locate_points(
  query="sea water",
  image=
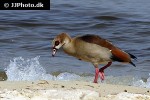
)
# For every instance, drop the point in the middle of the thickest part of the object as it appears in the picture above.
(26, 40)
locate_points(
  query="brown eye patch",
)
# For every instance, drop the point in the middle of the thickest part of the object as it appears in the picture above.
(56, 43)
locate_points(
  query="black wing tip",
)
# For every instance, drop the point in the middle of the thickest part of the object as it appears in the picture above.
(132, 64)
(115, 58)
(132, 56)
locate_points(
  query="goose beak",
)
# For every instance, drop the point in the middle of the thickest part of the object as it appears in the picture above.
(54, 51)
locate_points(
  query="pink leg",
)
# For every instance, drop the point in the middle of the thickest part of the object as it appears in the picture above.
(101, 71)
(96, 75)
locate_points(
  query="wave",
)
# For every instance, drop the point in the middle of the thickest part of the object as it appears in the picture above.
(21, 69)
(106, 17)
(29, 69)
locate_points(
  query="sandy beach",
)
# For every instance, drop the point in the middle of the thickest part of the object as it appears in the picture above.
(69, 90)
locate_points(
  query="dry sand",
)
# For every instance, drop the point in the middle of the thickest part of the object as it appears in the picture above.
(69, 90)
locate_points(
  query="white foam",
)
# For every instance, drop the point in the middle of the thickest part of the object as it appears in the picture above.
(74, 94)
(128, 96)
(29, 69)
(141, 83)
(67, 76)
(53, 94)
(128, 80)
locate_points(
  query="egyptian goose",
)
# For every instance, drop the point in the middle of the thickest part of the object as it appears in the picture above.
(92, 48)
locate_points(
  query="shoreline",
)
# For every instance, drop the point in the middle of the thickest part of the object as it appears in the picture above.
(80, 90)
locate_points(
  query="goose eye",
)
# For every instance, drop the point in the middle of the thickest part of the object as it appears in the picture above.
(56, 43)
